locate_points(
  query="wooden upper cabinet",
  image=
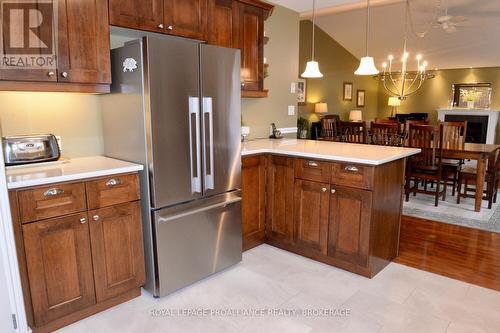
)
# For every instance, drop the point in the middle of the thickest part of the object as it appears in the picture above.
(83, 42)
(311, 206)
(279, 213)
(137, 14)
(253, 206)
(251, 43)
(117, 250)
(186, 18)
(349, 227)
(223, 23)
(59, 263)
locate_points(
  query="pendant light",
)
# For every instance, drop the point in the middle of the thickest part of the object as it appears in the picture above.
(312, 67)
(367, 65)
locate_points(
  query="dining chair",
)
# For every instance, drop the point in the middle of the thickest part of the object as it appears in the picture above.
(426, 166)
(329, 131)
(407, 126)
(469, 175)
(386, 121)
(454, 134)
(385, 134)
(353, 132)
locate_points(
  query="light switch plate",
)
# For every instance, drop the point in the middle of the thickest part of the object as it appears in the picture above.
(293, 88)
(291, 110)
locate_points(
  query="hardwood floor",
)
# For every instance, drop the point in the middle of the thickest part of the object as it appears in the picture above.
(465, 254)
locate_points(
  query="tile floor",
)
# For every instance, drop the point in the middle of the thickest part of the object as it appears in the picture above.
(399, 299)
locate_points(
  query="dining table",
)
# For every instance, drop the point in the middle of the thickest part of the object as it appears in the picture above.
(474, 151)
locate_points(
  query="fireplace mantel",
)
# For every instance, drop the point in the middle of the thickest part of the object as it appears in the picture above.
(492, 115)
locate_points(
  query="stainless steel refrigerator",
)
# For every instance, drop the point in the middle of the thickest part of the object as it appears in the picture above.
(175, 108)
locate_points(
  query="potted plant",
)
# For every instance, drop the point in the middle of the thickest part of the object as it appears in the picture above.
(302, 128)
(470, 96)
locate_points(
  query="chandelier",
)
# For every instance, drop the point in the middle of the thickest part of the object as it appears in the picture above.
(404, 83)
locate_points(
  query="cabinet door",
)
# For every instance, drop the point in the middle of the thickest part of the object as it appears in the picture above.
(253, 189)
(223, 23)
(312, 201)
(83, 42)
(349, 229)
(59, 264)
(279, 213)
(137, 14)
(117, 249)
(186, 18)
(252, 47)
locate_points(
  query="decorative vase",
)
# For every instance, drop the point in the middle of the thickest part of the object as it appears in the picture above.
(470, 104)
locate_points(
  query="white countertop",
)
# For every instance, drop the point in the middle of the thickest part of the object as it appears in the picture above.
(68, 170)
(326, 150)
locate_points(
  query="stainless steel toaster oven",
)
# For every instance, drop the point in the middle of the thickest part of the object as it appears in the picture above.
(30, 149)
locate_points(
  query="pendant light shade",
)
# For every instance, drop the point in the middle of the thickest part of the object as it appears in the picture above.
(367, 65)
(312, 68)
(312, 71)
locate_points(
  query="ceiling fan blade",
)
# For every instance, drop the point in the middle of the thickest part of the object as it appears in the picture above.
(451, 29)
(458, 19)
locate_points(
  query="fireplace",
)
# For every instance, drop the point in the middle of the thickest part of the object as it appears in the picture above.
(477, 127)
(481, 124)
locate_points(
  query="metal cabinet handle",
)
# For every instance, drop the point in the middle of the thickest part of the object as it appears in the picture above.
(170, 27)
(52, 192)
(161, 26)
(333, 191)
(83, 220)
(113, 182)
(64, 74)
(312, 164)
(351, 168)
(324, 189)
(95, 217)
(194, 143)
(51, 74)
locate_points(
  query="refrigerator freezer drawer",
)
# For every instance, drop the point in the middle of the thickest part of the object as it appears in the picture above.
(198, 240)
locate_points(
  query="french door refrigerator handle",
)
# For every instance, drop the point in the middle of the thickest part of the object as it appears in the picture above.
(208, 110)
(199, 210)
(194, 109)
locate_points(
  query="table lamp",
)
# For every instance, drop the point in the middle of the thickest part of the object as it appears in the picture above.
(394, 102)
(321, 108)
(356, 115)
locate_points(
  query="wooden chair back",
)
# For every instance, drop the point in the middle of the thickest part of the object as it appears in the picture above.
(386, 121)
(385, 134)
(454, 134)
(329, 129)
(429, 139)
(353, 132)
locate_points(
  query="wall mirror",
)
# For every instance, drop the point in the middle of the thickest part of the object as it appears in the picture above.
(477, 95)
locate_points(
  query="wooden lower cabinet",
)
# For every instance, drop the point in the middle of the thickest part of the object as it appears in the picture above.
(117, 251)
(59, 263)
(349, 228)
(83, 261)
(311, 208)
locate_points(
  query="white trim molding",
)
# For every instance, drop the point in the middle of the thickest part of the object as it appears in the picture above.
(492, 115)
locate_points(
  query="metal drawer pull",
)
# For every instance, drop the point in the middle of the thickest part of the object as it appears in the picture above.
(95, 217)
(113, 182)
(323, 189)
(333, 191)
(312, 164)
(83, 220)
(52, 192)
(351, 168)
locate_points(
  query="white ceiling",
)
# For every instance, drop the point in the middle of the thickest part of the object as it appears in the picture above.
(477, 45)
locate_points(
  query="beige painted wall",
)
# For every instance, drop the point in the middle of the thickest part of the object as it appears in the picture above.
(436, 93)
(282, 54)
(337, 66)
(75, 117)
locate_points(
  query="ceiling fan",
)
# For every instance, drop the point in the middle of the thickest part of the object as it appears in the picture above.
(449, 23)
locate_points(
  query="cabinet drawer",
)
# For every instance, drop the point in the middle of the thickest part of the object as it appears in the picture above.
(313, 170)
(112, 190)
(51, 201)
(352, 175)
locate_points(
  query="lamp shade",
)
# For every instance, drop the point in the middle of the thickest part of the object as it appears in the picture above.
(321, 108)
(394, 101)
(367, 67)
(312, 71)
(356, 115)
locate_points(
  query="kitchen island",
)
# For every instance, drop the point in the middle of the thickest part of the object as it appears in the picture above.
(338, 203)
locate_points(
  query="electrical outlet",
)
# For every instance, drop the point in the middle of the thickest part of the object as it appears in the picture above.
(291, 110)
(293, 88)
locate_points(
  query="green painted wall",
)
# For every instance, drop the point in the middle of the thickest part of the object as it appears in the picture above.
(282, 54)
(338, 66)
(437, 93)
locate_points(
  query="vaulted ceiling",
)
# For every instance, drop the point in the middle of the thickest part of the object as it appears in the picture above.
(476, 43)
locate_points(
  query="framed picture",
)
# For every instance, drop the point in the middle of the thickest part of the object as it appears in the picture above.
(347, 91)
(360, 98)
(301, 91)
